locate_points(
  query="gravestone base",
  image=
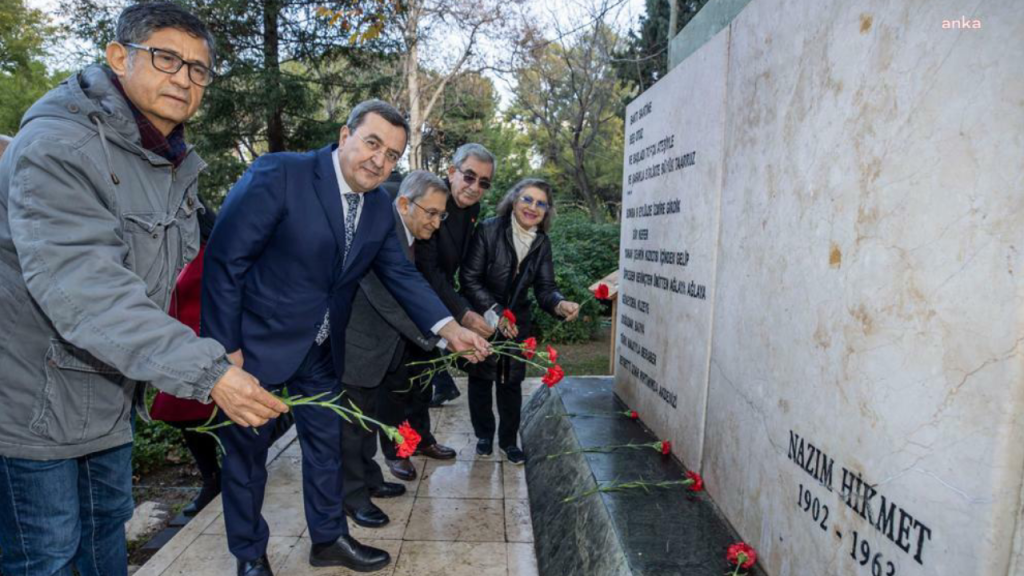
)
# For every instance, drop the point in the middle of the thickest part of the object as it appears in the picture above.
(669, 531)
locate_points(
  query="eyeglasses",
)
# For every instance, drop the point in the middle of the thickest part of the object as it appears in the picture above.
(432, 214)
(469, 178)
(169, 63)
(530, 201)
(376, 147)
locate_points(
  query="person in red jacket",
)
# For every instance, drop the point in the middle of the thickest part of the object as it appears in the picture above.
(182, 413)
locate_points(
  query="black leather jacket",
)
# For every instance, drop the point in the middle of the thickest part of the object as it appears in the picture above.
(488, 277)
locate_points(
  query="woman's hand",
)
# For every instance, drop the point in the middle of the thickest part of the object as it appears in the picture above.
(508, 329)
(568, 310)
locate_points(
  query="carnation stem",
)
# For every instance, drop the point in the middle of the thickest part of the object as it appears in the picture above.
(295, 401)
(623, 486)
(655, 445)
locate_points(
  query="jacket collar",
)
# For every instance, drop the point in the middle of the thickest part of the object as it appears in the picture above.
(327, 192)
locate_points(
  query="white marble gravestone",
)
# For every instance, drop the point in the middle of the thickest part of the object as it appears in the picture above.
(847, 369)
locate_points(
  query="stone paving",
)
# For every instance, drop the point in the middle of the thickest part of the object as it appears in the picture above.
(464, 517)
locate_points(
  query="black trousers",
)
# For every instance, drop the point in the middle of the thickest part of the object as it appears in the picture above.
(203, 448)
(358, 447)
(510, 403)
(396, 403)
(444, 384)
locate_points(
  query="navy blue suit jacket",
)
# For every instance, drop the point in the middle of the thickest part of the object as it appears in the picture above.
(274, 264)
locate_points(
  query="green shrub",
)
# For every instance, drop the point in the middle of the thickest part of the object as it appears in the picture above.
(156, 444)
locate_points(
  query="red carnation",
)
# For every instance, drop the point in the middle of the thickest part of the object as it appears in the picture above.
(698, 482)
(633, 415)
(742, 555)
(410, 440)
(552, 354)
(508, 315)
(554, 375)
(666, 447)
(530, 347)
(601, 292)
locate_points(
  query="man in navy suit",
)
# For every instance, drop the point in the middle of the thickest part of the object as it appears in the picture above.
(292, 241)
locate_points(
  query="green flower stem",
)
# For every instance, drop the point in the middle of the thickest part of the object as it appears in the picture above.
(740, 559)
(347, 413)
(624, 486)
(627, 414)
(655, 445)
(507, 348)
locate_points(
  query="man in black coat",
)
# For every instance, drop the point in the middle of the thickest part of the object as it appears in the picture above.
(438, 259)
(377, 340)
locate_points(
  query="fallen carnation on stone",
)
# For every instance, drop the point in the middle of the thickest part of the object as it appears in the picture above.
(698, 482)
(601, 292)
(666, 447)
(633, 415)
(408, 441)
(742, 555)
(554, 376)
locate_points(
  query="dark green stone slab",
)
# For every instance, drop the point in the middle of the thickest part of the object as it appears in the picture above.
(670, 531)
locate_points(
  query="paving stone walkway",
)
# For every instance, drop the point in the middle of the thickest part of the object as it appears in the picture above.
(464, 517)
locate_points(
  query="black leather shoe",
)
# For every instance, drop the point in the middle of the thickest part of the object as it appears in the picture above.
(484, 446)
(258, 567)
(388, 490)
(441, 396)
(348, 552)
(435, 451)
(402, 469)
(514, 454)
(368, 516)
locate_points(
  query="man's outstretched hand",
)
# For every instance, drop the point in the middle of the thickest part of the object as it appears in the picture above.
(243, 400)
(460, 339)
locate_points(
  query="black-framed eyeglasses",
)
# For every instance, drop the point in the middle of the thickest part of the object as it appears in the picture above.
(376, 146)
(531, 201)
(169, 63)
(469, 177)
(432, 213)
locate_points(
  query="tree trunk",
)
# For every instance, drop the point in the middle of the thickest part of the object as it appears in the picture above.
(271, 67)
(673, 18)
(589, 197)
(412, 75)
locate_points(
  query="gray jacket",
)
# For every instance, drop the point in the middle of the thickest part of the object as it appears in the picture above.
(93, 232)
(379, 329)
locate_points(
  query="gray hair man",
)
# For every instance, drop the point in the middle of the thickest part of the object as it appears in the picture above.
(469, 177)
(99, 198)
(381, 340)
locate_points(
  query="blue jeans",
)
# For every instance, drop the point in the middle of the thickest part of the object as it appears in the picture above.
(59, 514)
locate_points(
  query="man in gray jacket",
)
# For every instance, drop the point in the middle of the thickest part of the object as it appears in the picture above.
(97, 217)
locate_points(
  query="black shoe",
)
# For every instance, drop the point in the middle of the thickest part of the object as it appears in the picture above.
(435, 451)
(484, 446)
(348, 552)
(441, 396)
(368, 516)
(402, 469)
(388, 490)
(514, 454)
(258, 567)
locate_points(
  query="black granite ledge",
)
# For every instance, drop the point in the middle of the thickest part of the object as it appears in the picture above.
(667, 532)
